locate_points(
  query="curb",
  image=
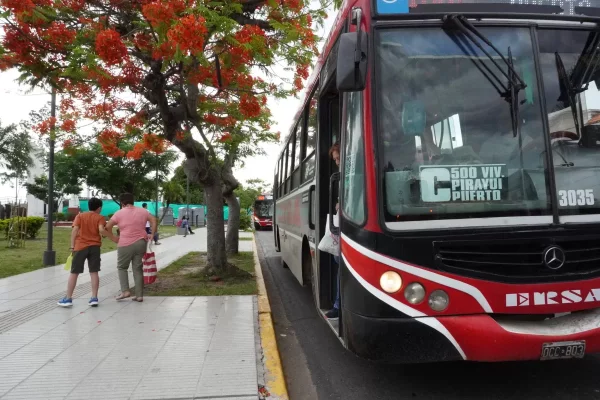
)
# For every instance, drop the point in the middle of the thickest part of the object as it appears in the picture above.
(274, 379)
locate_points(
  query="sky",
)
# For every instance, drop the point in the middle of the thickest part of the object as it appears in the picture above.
(16, 103)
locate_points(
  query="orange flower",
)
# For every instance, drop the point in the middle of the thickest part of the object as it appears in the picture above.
(137, 152)
(249, 106)
(110, 47)
(68, 126)
(188, 33)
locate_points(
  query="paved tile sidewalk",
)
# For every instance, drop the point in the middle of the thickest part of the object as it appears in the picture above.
(164, 348)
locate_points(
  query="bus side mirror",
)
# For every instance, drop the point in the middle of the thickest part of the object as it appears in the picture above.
(351, 74)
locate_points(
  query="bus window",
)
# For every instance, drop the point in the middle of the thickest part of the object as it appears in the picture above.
(575, 154)
(288, 175)
(354, 161)
(467, 161)
(308, 165)
(297, 154)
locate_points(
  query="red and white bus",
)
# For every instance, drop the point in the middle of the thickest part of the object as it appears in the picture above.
(262, 212)
(470, 165)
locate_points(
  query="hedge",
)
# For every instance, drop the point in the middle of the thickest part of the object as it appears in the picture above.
(34, 225)
(245, 220)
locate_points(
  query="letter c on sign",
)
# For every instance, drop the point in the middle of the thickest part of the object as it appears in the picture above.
(430, 185)
(390, 1)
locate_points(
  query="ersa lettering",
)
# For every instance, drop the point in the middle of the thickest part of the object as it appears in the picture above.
(482, 183)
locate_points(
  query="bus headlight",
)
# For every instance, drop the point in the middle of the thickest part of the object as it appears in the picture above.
(438, 300)
(390, 281)
(414, 293)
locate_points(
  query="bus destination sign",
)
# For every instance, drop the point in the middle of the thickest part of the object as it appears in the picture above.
(463, 183)
(404, 6)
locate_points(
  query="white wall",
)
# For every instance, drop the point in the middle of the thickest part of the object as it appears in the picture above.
(35, 207)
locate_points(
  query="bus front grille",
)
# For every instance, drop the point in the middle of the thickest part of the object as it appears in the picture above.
(521, 260)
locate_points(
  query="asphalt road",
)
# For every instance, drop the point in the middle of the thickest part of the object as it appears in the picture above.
(318, 367)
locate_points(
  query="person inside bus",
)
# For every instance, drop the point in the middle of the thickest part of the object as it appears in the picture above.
(334, 153)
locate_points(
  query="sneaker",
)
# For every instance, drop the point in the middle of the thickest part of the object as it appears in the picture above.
(64, 302)
(333, 313)
(93, 302)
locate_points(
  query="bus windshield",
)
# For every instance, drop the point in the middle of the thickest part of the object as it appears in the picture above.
(263, 209)
(575, 149)
(446, 129)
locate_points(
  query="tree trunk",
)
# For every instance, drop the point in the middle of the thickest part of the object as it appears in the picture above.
(166, 209)
(233, 225)
(215, 229)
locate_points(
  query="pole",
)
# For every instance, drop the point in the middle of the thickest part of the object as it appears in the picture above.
(49, 254)
(187, 198)
(157, 186)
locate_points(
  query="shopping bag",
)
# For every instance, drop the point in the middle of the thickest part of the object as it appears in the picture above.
(150, 270)
(69, 262)
(330, 243)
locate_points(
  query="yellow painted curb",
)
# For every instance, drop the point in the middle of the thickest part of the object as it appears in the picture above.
(274, 379)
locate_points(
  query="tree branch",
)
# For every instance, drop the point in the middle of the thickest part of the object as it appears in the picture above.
(243, 20)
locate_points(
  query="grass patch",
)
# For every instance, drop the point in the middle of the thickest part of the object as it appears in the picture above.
(246, 238)
(30, 258)
(186, 277)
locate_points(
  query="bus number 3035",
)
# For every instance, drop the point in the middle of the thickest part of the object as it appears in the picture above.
(576, 197)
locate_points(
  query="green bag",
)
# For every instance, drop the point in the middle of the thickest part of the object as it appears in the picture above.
(69, 262)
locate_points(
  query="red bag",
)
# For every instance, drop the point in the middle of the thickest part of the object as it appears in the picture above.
(150, 270)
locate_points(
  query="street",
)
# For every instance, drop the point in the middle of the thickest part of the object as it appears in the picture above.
(317, 366)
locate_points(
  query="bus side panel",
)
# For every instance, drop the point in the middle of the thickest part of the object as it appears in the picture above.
(292, 220)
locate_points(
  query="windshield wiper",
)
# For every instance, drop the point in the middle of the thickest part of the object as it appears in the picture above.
(472, 33)
(509, 92)
(513, 98)
(567, 89)
(586, 64)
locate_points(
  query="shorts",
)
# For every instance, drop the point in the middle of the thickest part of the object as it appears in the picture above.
(91, 254)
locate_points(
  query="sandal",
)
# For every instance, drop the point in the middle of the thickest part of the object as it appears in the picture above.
(122, 296)
(138, 299)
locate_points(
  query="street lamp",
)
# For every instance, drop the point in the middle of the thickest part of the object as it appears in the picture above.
(49, 254)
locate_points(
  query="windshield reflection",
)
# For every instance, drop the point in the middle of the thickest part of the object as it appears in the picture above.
(575, 146)
(263, 209)
(450, 147)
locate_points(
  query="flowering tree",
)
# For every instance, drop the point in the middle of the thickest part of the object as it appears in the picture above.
(188, 73)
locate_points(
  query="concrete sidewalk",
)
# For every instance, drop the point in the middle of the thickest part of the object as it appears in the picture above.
(163, 348)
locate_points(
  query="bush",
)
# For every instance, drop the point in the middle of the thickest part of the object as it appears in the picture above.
(34, 224)
(245, 220)
(58, 216)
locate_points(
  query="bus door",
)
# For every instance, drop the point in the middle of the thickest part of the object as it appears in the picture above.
(329, 133)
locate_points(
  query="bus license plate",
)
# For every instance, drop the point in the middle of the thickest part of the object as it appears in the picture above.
(560, 350)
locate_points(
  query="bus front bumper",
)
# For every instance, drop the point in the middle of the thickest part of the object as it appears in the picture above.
(479, 337)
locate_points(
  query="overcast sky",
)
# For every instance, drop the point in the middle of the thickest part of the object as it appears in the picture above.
(15, 105)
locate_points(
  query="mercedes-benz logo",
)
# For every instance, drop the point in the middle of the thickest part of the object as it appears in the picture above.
(554, 257)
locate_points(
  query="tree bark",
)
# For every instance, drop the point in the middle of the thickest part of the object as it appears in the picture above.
(165, 210)
(232, 239)
(215, 229)
(229, 185)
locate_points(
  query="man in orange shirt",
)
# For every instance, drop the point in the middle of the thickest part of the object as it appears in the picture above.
(86, 239)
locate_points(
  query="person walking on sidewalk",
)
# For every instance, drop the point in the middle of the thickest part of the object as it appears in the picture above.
(86, 239)
(148, 229)
(133, 240)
